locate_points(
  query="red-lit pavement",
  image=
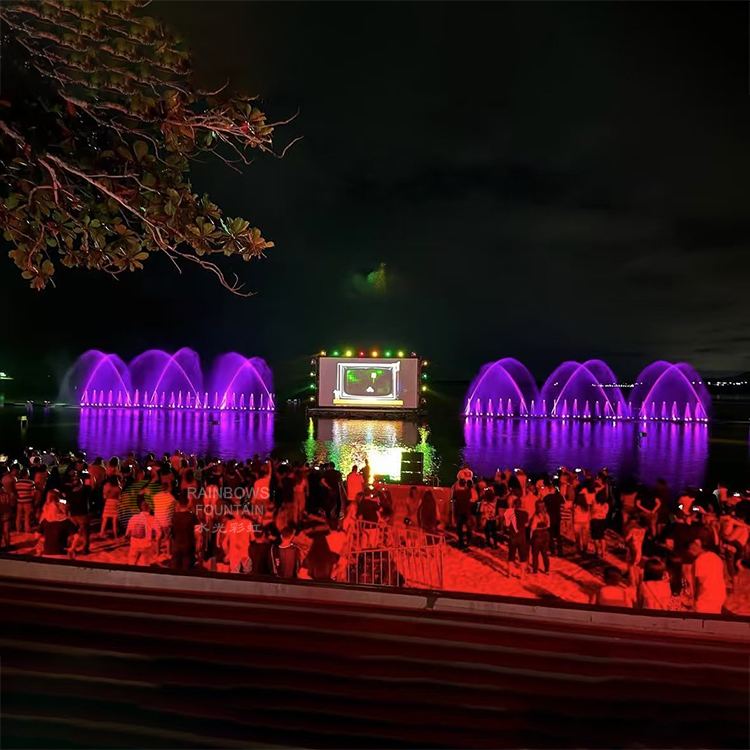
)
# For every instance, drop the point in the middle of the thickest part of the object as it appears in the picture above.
(96, 667)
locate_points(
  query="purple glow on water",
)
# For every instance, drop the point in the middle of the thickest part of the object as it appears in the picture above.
(670, 391)
(575, 389)
(157, 379)
(677, 452)
(502, 388)
(114, 432)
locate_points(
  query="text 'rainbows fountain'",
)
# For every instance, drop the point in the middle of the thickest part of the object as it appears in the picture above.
(589, 390)
(156, 379)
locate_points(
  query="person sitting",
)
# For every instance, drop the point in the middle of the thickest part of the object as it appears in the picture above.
(56, 530)
(613, 593)
(654, 591)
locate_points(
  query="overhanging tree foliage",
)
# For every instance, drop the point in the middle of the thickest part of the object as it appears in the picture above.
(98, 124)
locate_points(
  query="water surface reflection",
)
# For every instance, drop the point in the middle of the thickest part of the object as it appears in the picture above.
(677, 452)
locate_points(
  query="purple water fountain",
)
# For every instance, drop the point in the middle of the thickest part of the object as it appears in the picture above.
(589, 390)
(502, 389)
(670, 392)
(157, 379)
(583, 390)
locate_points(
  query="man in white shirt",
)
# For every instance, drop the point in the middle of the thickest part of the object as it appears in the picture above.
(141, 531)
(355, 483)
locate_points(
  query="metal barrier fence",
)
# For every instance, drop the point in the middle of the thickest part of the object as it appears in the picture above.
(385, 555)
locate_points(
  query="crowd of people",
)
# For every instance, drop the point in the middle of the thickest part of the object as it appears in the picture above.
(691, 542)
(260, 516)
(294, 520)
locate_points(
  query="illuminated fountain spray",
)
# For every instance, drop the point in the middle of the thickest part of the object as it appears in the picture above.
(578, 390)
(670, 392)
(155, 371)
(97, 379)
(242, 383)
(589, 390)
(159, 380)
(502, 389)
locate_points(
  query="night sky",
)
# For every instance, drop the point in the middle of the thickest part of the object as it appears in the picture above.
(546, 181)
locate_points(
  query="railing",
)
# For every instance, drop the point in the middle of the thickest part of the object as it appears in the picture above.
(385, 555)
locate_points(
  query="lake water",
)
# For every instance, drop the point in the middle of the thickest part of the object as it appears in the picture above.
(692, 454)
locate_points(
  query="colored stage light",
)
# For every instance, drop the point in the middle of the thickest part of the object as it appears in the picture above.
(375, 354)
(400, 354)
(387, 354)
(312, 375)
(312, 385)
(424, 388)
(425, 363)
(348, 353)
(322, 352)
(335, 354)
(361, 354)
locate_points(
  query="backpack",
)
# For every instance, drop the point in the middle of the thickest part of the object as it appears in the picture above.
(140, 528)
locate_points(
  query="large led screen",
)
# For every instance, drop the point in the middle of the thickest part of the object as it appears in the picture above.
(374, 382)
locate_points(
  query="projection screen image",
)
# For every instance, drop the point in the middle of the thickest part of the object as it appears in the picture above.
(377, 383)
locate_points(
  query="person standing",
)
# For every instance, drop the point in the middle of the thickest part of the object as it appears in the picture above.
(164, 509)
(516, 521)
(285, 555)
(354, 484)
(112, 492)
(7, 509)
(462, 514)
(427, 513)
(25, 490)
(78, 495)
(581, 523)
(366, 473)
(709, 586)
(142, 530)
(332, 484)
(598, 524)
(649, 504)
(539, 527)
(488, 515)
(301, 489)
(554, 501)
(635, 533)
(184, 524)
(236, 543)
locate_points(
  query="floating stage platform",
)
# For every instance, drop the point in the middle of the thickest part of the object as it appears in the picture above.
(368, 413)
